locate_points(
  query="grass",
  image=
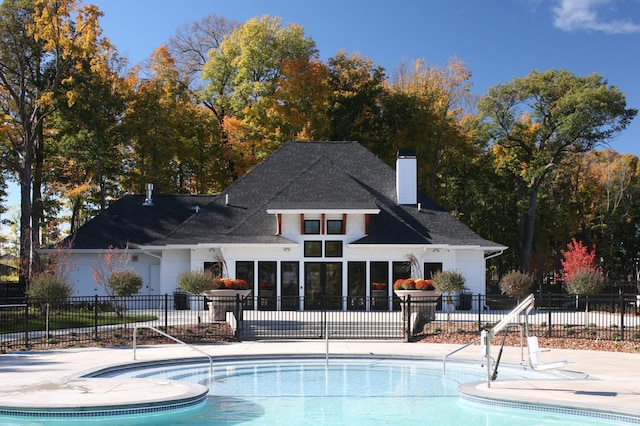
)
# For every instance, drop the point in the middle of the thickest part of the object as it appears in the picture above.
(66, 320)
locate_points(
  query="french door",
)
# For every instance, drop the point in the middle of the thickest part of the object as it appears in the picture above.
(322, 286)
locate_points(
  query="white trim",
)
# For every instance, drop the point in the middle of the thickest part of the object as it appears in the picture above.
(426, 247)
(219, 245)
(328, 211)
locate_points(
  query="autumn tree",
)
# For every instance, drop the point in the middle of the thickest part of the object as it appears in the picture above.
(86, 152)
(40, 43)
(190, 48)
(357, 88)
(576, 258)
(435, 100)
(537, 121)
(613, 183)
(242, 78)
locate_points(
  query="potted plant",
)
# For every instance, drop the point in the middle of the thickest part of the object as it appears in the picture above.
(449, 283)
(222, 292)
(423, 298)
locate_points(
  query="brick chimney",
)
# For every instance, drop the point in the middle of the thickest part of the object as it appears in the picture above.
(407, 177)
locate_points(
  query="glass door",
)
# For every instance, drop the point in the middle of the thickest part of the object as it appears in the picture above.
(323, 286)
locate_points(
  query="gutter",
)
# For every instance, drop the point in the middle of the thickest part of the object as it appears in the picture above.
(494, 254)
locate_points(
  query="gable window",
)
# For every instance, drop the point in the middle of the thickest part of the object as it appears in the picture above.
(313, 249)
(312, 226)
(333, 248)
(335, 227)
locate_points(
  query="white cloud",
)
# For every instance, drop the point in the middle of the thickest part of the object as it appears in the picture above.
(572, 15)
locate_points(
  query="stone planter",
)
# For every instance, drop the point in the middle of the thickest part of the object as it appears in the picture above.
(223, 301)
(423, 305)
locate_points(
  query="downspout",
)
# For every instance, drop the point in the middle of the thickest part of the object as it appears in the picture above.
(491, 256)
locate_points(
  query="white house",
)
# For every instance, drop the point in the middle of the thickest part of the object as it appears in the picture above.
(312, 216)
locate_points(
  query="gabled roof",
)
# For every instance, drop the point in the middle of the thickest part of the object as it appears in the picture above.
(128, 222)
(338, 176)
(323, 176)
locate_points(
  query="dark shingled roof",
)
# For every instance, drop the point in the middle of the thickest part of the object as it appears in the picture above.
(299, 175)
(128, 222)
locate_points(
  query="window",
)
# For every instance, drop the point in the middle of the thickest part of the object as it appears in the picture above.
(379, 272)
(313, 249)
(401, 270)
(357, 274)
(290, 277)
(312, 226)
(430, 268)
(333, 249)
(334, 227)
(244, 271)
(214, 267)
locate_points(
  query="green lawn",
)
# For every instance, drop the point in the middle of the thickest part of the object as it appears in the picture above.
(14, 322)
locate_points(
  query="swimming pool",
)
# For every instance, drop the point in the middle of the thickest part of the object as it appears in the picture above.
(347, 391)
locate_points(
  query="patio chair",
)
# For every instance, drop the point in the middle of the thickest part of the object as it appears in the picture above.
(535, 358)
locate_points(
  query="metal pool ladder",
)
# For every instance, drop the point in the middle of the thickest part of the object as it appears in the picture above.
(135, 333)
(525, 306)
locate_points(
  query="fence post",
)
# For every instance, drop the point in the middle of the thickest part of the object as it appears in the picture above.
(549, 324)
(166, 312)
(239, 318)
(407, 318)
(26, 322)
(480, 307)
(622, 308)
(95, 317)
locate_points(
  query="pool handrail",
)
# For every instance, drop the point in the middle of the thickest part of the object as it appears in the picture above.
(444, 360)
(526, 305)
(135, 329)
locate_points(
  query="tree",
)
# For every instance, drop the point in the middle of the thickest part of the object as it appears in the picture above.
(516, 284)
(355, 103)
(125, 283)
(242, 78)
(85, 154)
(39, 45)
(448, 282)
(537, 121)
(577, 258)
(435, 100)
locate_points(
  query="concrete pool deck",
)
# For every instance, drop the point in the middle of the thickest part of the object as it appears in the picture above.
(604, 381)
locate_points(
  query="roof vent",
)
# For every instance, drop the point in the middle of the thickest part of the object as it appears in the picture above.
(148, 201)
(196, 209)
(226, 200)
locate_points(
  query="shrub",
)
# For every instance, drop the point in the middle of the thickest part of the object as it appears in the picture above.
(585, 282)
(516, 284)
(195, 282)
(125, 283)
(52, 287)
(448, 281)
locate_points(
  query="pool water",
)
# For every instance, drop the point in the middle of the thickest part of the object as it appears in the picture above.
(344, 392)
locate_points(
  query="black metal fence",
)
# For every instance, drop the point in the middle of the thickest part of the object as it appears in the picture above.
(108, 321)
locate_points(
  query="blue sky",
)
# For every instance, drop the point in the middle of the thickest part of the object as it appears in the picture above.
(497, 39)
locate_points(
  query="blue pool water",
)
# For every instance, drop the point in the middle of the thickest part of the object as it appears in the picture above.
(344, 392)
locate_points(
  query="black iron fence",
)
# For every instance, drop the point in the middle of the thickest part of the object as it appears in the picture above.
(109, 321)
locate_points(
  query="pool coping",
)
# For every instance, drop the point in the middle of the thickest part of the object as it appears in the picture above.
(478, 393)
